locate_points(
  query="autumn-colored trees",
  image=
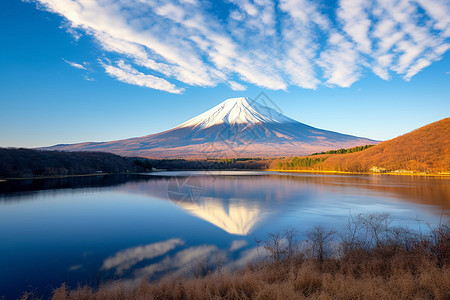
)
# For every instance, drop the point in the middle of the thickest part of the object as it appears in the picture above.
(426, 149)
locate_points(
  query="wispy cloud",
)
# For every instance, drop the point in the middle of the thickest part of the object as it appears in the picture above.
(88, 78)
(75, 65)
(268, 43)
(354, 17)
(235, 86)
(126, 73)
(406, 42)
(340, 61)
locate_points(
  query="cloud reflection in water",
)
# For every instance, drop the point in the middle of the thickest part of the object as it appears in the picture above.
(127, 258)
(183, 261)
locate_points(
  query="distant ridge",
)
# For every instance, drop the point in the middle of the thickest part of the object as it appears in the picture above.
(237, 127)
(426, 149)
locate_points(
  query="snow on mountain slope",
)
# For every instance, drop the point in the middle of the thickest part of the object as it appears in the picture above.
(237, 127)
(237, 111)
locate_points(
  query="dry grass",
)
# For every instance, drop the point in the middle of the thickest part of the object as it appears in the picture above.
(419, 278)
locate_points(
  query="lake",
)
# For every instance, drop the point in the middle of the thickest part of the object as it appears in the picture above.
(97, 228)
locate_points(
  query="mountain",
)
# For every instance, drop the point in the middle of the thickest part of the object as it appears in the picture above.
(237, 127)
(424, 149)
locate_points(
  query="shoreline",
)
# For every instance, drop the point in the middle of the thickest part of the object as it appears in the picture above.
(266, 170)
(359, 173)
(60, 176)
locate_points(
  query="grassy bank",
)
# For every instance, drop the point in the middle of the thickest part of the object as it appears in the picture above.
(361, 276)
(371, 259)
(444, 175)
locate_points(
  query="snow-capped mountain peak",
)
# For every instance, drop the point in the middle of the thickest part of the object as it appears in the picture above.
(240, 110)
(237, 127)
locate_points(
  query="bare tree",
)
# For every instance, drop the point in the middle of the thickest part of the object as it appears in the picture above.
(353, 237)
(401, 237)
(274, 245)
(318, 237)
(220, 260)
(282, 245)
(291, 244)
(377, 225)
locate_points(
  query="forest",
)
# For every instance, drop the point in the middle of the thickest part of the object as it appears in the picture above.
(313, 161)
(212, 164)
(21, 163)
(24, 163)
(344, 151)
(425, 150)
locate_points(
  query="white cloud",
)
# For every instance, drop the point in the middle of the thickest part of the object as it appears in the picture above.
(126, 73)
(405, 41)
(268, 43)
(88, 78)
(340, 62)
(356, 22)
(235, 86)
(413, 70)
(74, 33)
(75, 65)
(300, 44)
(439, 11)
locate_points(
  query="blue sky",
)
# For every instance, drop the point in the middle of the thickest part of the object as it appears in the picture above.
(98, 70)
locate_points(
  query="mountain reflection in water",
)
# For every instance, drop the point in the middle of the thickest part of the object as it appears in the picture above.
(237, 204)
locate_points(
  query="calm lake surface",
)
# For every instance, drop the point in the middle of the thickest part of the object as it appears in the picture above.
(93, 229)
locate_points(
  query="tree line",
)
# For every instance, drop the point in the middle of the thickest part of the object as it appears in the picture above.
(344, 151)
(21, 162)
(212, 164)
(299, 162)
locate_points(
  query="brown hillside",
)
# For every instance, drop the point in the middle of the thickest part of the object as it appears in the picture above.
(424, 149)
